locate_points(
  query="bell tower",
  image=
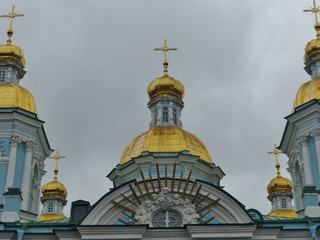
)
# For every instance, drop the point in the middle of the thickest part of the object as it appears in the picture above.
(23, 142)
(301, 137)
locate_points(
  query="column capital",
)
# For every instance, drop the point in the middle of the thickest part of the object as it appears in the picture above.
(29, 146)
(14, 140)
(316, 134)
(303, 140)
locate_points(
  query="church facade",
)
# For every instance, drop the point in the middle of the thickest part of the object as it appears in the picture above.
(166, 184)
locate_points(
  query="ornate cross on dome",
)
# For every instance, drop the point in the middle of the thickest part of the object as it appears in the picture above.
(315, 10)
(276, 152)
(57, 157)
(12, 16)
(165, 49)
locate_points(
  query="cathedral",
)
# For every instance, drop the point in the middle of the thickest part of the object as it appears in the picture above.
(165, 185)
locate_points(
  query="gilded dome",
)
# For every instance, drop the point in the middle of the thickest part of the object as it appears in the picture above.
(165, 139)
(54, 188)
(279, 184)
(13, 95)
(10, 51)
(307, 92)
(165, 85)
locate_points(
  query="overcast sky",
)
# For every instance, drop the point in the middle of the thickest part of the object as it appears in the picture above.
(89, 64)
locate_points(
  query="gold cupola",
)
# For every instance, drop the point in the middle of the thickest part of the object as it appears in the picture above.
(54, 196)
(280, 192)
(12, 64)
(165, 134)
(311, 89)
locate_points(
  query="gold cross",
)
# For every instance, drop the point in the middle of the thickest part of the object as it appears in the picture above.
(276, 152)
(165, 49)
(57, 157)
(315, 10)
(12, 16)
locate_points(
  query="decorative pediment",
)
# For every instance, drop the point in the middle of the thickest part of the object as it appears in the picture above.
(167, 202)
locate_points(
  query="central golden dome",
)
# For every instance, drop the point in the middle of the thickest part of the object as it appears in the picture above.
(12, 96)
(165, 139)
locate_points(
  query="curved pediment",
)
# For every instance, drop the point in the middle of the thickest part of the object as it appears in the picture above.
(167, 203)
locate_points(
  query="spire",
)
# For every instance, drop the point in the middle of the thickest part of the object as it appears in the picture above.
(165, 49)
(54, 195)
(280, 192)
(276, 152)
(57, 157)
(12, 15)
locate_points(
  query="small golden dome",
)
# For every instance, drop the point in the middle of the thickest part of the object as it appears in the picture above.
(10, 51)
(165, 139)
(164, 86)
(12, 96)
(279, 184)
(307, 92)
(54, 188)
(312, 48)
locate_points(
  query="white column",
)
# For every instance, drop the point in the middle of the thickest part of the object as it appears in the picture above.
(14, 140)
(306, 160)
(170, 113)
(25, 188)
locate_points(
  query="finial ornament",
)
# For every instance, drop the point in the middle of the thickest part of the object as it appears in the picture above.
(276, 152)
(57, 157)
(12, 16)
(165, 49)
(315, 10)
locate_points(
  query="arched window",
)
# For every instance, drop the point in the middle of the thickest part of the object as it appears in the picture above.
(174, 112)
(165, 117)
(283, 203)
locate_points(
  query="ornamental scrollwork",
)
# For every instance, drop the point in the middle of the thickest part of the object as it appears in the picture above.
(166, 200)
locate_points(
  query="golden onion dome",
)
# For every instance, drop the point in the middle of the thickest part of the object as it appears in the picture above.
(13, 95)
(54, 188)
(312, 48)
(307, 92)
(10, 51)
(165, 86)
(165, 139)
(279, 184)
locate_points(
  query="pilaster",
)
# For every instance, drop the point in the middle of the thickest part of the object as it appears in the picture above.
(14, 140)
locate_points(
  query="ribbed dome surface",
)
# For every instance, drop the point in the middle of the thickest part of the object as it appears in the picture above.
(307, 92)
(279, 184)
(165, 86)
(165, 139)
(10, 51)
(54, 188)
(13, 95)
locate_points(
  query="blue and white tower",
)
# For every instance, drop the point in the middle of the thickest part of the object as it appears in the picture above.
(23, 142)
(301, 137)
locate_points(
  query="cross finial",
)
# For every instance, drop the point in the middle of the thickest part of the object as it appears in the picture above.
(12, 16)
(165, 49)
(276, 152)
(57, 157)
(315, 10)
